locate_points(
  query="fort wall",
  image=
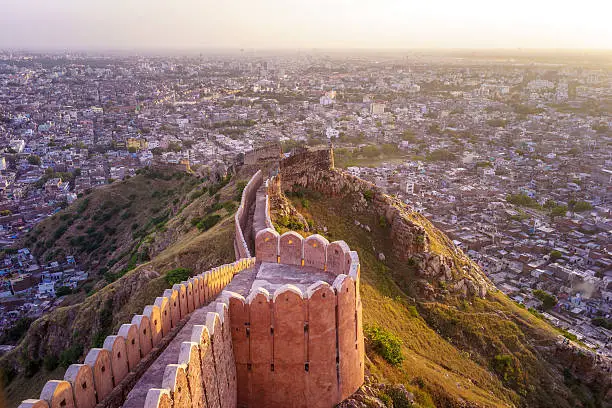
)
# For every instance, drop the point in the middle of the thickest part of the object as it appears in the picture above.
(291, 348)
(269, 153)
(297, 349)
(247, 200)
(109, 372)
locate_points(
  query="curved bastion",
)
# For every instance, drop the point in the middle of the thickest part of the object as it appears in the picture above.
(280, 329)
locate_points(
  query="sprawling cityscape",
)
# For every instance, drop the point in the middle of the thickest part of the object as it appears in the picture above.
(509, 155)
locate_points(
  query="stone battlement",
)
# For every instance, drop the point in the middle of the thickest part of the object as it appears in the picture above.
(108, 373)
(198, 345)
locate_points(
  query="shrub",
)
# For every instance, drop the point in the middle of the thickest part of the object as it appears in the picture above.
(554, 255)
(240, 186)
(50, 362)
(382, 221)
(7, 374)
(208, 222)
(385, 344)
(548, 300)
(368, 195)
(398, 397)
(63, 291)
(31, 367)
(17, 331)
(71, 355)
(413, 311)
(602, 322)
(177, 275)
(229, 206)
(505, 367)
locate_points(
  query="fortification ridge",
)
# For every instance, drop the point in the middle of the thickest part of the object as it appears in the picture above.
(314, 170)
(294, 348)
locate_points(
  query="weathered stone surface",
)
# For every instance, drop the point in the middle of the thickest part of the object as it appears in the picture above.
(213, 322)
(290, 248)
(266, 245)
(337, 254)
(260, 316)
(201, 335)
(189, 296)
(80, 377)
(119, 363)
(289, 348)
(33, 403)
(315, 248)
(100, 362)
(164, 309)
(58, 394)
(175, 379)
(181, 289)
(132, 344)
(349, 360)
(173, 302)
(190, 356)
(158, 398)
(321, 381)
(155, 321)
(195, 283)
(144, 334)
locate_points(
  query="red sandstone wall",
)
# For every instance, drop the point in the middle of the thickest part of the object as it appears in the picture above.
(86, 385)
(248, 199)
(295, 349)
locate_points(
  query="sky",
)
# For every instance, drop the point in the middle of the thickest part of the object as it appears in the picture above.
(291, 24)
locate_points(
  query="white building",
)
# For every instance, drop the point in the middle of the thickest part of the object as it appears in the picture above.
(17, 145)
(377, 108)
(331, 133)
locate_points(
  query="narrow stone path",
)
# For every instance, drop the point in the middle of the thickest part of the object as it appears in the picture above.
(259, 217)
(152, 378)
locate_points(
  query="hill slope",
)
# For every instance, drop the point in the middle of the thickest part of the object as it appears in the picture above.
(463, 343)
(168, 209)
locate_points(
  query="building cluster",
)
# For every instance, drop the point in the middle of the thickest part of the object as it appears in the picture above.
(510, 157)
(29, 288)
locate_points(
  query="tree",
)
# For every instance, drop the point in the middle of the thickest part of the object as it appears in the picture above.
(34, 160)
(558, 211)
(582, 206)
(554, 255)
(63, 291)
(548, 300)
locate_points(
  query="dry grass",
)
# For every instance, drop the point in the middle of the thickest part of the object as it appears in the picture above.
(448, 347)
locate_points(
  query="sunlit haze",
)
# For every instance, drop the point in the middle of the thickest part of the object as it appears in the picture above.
(193, 24)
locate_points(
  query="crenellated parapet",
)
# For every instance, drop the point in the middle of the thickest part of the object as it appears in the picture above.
(109, 372)
(298, 349)
(293, 338)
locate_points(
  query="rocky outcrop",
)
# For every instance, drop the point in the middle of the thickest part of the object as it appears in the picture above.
(378, 395)
(410, 240)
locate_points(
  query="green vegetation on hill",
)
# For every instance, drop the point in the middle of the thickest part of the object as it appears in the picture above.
(146, 240)
(369, 155)
(453, 352)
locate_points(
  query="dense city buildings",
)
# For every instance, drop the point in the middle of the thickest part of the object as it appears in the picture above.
(510, 156)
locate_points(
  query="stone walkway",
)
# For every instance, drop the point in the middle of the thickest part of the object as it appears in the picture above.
(259, 218)
(271, 276)
(152, 378)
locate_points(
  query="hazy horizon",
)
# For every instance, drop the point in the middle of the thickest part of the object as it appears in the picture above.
(289, 24)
